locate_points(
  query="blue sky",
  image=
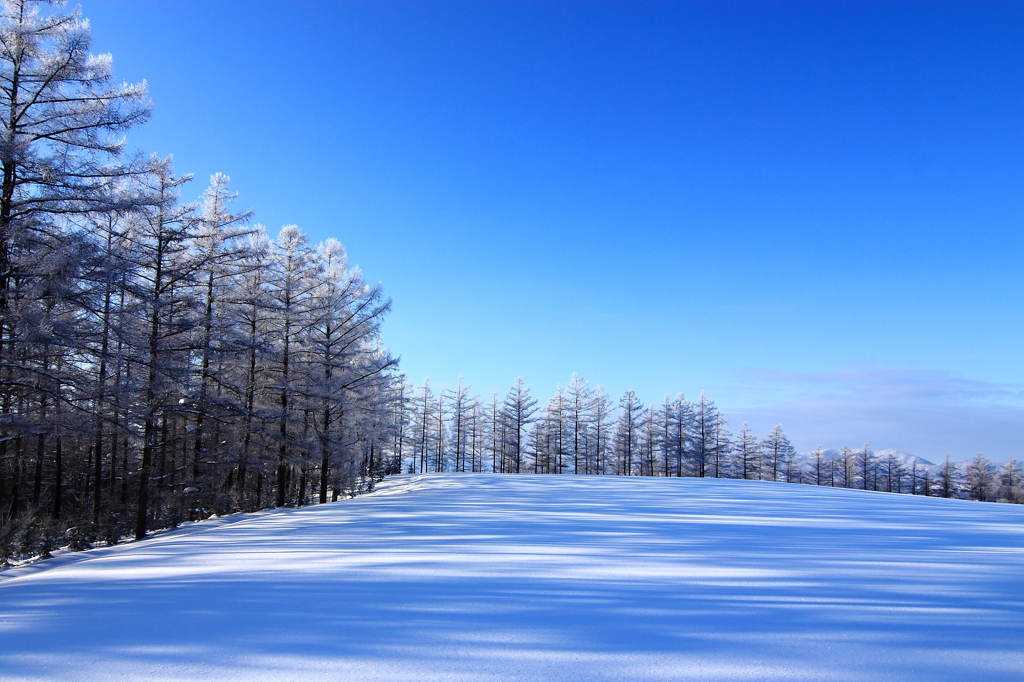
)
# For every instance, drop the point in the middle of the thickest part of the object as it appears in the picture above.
(811, 211)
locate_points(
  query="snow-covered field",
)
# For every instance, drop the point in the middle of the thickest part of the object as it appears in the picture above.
(487, 577)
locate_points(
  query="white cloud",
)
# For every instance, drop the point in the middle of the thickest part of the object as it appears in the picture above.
(924, 412)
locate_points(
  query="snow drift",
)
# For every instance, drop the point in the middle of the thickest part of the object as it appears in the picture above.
(490, 577)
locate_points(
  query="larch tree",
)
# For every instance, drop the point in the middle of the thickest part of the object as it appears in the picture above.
(60, 148)
(705, 423)
(496, 430)
(554, 423)
(776, 451)
(847, 466)
(475, 434)
(979, 479)
(721, 448)
(650, 442)
(518, 411)
(866, 467)
(949, 479)
(165, 270)
(220, 245)
(439, 458)
(295, 280)
(249, 346)
(424, 406)
(682, 431)
(819, 465)
(602, 429)
(461, 406)
(578, 397)
(345, 356)
(627, 432)
(1011, 483)
(105, 277)
(748, 454)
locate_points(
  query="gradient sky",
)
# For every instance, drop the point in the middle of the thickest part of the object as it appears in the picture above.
(811, 211)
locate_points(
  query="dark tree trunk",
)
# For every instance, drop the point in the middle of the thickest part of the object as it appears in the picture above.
(142, 502)
(58, 478)
(37, 486)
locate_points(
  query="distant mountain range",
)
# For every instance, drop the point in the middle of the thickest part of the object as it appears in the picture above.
(905, 459)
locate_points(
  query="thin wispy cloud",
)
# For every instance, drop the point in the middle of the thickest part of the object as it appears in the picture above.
(925, 412)
(877, 384)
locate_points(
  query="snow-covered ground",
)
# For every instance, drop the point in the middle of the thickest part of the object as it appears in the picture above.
(488, 577)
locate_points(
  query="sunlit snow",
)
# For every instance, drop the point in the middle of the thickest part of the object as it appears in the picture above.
(489, 577)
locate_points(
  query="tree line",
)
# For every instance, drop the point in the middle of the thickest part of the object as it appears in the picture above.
(580, 430)
(164, 360)
(160, 360)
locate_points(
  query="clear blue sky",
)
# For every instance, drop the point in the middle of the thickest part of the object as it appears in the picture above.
(812, 211)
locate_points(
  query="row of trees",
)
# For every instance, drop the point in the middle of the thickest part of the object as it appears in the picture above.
(580, 430)
(163, 360)
(160, 360)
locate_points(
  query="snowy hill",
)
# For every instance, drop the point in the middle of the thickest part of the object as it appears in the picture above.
(489, 577)
(905, 460)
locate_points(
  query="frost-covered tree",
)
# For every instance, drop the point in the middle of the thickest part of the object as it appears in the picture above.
(777, 452)
(627, 433)
(157, 362)
(164, 286)
(475, 432)
(949, 479)
(555, 416)
(295, 276)
(220, 245)
(496, 431)
(348, 367)
(578, 398)
(400, 419)
(64, 118)
(60, 144)
(601, 437)
(705, 424)
(663, 420)
(439, 459)
(682, 431)
(1011, 483)
(866, 467)
(424, 405)
(721, 448)
(980, 479)
(846, 466)
(461, 407)
(518, 412)
(245, 376)
(748, 454)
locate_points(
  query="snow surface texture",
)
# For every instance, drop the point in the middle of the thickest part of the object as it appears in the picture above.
(489, 577)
